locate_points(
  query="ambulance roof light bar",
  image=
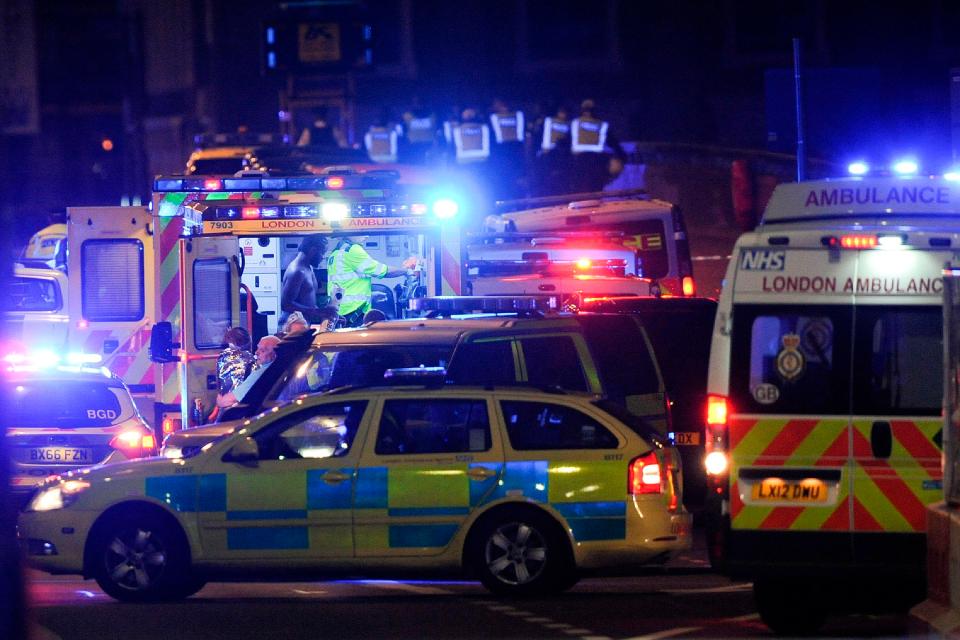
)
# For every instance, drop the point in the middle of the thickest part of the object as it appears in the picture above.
(246, 182)
(463, 305)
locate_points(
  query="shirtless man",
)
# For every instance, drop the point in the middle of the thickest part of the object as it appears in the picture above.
(299, 291)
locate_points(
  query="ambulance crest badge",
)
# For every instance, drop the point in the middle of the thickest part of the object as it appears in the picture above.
(790, 362)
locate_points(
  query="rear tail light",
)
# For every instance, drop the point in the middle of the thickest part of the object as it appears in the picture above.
(689, 286)
(716, 462)
(645, 475)
(134, 443)
(169, 425)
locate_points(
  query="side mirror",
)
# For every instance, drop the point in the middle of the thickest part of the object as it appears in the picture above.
(245, 451)
(162, 344)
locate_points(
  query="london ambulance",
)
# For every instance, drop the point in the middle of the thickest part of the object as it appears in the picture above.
(153, 289)
(824, 395)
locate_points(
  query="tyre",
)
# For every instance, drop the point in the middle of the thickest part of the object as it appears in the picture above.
(140, 556)
(789, 607)
(520, 552)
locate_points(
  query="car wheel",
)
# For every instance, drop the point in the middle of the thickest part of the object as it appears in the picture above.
(789, 607)
(140, 557)
(522, 552)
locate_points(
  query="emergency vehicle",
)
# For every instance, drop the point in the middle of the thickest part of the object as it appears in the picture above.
(652, 230)
(825, 388)
(569, 265)
(152, 290)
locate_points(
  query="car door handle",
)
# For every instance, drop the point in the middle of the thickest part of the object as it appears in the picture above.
(480, 473)
(881, 439)
(335, 477)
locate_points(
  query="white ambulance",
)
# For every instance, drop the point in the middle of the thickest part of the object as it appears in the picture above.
(824, 395)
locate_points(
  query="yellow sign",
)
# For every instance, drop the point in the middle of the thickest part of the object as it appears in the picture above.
(779, 490)
(319, 42)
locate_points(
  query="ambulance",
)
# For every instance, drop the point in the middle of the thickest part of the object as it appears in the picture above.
(824, 395)
(651, 230)
(153, 289)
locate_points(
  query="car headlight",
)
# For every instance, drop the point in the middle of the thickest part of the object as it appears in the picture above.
(57, 496)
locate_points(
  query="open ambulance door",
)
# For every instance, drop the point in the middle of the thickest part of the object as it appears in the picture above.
(210, 282)
(110, 306)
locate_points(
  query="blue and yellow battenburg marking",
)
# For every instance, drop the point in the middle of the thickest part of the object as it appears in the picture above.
(436, 499)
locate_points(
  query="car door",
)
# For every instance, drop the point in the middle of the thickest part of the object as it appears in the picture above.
(897, 396)
(429, 460)
(294, 502)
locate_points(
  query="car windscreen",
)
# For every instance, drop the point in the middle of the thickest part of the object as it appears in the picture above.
(338, 366)
(64, 404)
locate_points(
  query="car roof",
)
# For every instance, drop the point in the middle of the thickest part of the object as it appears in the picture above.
(57, 374)
(441, 331)
(451, 389)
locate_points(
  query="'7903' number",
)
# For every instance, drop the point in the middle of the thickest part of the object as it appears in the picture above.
(221, 224)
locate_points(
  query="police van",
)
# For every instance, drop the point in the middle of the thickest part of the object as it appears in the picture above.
(824, 394)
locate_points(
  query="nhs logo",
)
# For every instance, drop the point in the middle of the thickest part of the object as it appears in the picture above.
(762, 260)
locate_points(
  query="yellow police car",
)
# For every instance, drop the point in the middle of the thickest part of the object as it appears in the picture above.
(523, 489)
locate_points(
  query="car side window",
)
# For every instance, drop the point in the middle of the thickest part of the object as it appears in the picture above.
(433, 426)
(540, 425)
(553, 361)
(325, 431)
(486, 362)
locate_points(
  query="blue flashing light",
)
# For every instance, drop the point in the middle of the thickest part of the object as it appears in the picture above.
(272, 59)
(953, 175)
(905, 167)
(445, 208)
(334, 211)
(271, 35)
(858, 168)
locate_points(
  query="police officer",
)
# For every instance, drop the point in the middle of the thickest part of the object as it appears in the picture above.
(589, 139)
(350, 270)
(509, 132)
(471, 138)
(419, 133)
(552, 164)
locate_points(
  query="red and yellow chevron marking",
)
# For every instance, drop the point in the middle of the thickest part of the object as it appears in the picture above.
(893, 493)
(875, 495)
(168, 285)
(131, 359)
(782, 442)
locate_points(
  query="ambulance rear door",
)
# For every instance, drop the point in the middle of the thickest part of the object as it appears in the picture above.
(210, 304)
(111, 279)
(897, 391)
(789, 428)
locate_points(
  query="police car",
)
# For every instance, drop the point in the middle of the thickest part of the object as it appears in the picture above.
(522, 489)
(60, 418)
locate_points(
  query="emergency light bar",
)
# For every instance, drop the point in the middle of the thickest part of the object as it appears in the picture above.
(448, 305)
(264, 183)
(331, 211)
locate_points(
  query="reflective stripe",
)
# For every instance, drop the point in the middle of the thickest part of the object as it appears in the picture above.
(448, 127)
(472, 142)
(349, 270)
(507, 127)
(420, 130)
(588, 135)
(553, 131)
(381, 144)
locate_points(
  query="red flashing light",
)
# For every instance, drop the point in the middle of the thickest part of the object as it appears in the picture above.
(212, 184)
(250, 213)
(167, 426)
(134, 443)
(858, 242)
(334, 182)
(418, 208)
(717, 410)
(644, 475)
(584, 263)
(689, 286)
